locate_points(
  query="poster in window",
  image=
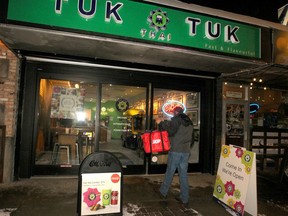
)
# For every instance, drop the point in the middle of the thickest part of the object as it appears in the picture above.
(192, 100)
(193, 115)
(65, 102)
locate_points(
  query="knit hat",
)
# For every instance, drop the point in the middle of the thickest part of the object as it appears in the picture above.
(178, 109)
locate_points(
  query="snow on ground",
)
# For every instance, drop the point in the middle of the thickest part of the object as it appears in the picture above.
(6, 211)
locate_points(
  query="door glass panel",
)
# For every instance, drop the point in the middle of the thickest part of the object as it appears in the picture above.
(66, 122)
(163, 104)
(122, 120)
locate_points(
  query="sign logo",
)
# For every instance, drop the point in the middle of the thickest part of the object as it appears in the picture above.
(156, 141)
(122, 105)
(158, 19)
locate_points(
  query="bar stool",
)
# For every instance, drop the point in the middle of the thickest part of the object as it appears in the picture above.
(57, 150)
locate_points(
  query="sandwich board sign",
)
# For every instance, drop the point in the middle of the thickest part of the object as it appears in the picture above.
(235, 186)
(100, 185)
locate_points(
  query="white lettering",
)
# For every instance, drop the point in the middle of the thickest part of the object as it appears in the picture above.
(152, 34)
(58, 6)
(143, 32)
(212, 34)
(112, 11)
(213, 31)
(87, 14)
(192, 22)
(230, 34)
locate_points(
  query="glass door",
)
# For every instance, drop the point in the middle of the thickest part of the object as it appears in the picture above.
(122, 120)
(164, 101)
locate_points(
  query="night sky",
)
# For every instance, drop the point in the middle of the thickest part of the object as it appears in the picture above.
(262, 9)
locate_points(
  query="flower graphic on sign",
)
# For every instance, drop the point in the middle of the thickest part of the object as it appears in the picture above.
(247, 158)
(219, 191)
(248, 169)
(239, 207)
(225, 151)
(239, 152)
(229, 188)
(230, 202)
(158, 19)
(237, 194)
(91, 196)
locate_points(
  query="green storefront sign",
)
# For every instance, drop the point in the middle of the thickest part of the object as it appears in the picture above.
(142, 21)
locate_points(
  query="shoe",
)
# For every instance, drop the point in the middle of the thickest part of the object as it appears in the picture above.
(178, 199)
(162, 196)
(185, 205)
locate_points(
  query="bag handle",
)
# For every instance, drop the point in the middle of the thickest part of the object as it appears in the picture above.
(162, 141)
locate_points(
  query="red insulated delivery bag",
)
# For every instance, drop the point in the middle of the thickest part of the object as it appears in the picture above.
(158, 141)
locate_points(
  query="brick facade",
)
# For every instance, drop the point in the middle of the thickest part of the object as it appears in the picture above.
(9, 88)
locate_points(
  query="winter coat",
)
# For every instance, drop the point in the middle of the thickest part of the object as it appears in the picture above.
(180, 130)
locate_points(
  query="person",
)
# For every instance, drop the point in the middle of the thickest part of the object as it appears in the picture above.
(180, 130)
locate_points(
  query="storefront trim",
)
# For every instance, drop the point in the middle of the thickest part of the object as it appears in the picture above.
(39, 59)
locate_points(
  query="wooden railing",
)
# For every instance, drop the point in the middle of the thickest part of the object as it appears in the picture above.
(269, 143)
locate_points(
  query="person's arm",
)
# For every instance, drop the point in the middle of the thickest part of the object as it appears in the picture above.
(170, 126)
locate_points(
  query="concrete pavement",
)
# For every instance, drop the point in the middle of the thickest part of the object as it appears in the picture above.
(58, 196)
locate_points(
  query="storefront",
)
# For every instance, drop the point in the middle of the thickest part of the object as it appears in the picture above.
(94, 79)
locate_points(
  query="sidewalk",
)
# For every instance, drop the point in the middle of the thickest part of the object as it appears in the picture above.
(58, 196)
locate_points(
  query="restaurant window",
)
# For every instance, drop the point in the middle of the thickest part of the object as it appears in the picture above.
(66, 122)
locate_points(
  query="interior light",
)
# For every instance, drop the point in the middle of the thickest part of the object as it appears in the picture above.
(254, 79)
(77, 86)
(251, 84)
(265, 88)
(260, 80)
(225, 83)
(254, 107)
(81, 116)
(241, 86)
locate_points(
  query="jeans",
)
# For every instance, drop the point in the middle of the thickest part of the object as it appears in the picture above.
(179, 161)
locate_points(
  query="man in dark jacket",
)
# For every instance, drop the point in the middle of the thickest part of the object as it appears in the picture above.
(180, 130)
